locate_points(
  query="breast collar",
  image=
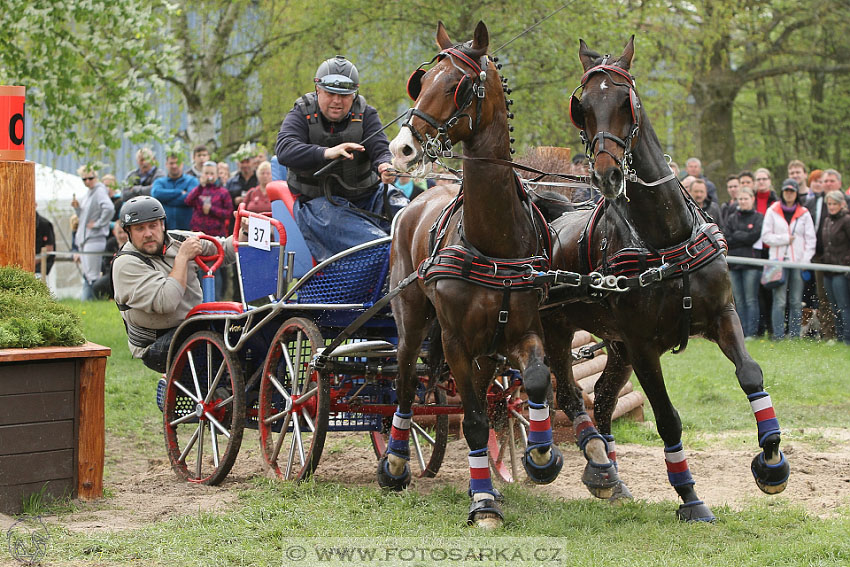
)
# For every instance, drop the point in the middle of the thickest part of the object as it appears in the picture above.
(464, 261)
(642, 265)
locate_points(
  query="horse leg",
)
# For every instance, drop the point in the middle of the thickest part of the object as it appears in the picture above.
(484, 509)
(393, 467)
(542, 460)
(648, 370)
(770, 468)
(607, 389)
(600, 475)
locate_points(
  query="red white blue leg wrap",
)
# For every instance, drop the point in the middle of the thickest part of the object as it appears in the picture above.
(612, 449)
(539, 426)
(399, 444)
(765, 416)
(479, 473)
(678, 472)
(585, 431)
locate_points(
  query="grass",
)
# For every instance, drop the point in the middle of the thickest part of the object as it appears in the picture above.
(806, 380)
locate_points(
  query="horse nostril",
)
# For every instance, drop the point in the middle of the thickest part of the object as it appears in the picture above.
(407, 150)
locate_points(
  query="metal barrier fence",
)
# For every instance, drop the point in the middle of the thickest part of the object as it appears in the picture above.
(795, 265)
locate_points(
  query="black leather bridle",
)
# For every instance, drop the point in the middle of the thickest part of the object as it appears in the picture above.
(469, 88)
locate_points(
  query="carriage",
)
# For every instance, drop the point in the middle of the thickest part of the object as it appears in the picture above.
(332, 358)
(309, 350)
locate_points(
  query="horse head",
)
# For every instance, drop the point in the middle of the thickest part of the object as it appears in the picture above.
(454, 98)
(609, 115)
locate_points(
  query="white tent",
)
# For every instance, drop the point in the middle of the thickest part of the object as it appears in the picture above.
(54, 191)
(56, 187)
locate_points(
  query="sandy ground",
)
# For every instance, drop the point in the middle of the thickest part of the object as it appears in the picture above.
(143, 489)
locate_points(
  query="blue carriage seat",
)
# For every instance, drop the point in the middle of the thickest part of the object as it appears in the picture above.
(282, 202)
(258, 268)
(350, 277)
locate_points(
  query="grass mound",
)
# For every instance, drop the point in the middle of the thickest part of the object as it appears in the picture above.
(30, 316)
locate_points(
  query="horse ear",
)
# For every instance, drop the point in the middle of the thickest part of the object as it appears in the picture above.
(586, 55)
(625, 60)
(443, 41)
(481, 38)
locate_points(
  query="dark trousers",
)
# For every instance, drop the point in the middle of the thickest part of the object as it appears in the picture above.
(156, 358)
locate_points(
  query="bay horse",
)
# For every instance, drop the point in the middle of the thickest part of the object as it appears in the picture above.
(474, 265)
(666, 274)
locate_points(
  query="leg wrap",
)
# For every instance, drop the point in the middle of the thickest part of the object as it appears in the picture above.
(479, 474)
(585, 431)
(539, 426)
(612, 449)
(399, 444)
(677, 466)
(765, 416)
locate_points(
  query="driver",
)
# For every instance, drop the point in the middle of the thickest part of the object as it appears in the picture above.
(155, 285)
(353, 201)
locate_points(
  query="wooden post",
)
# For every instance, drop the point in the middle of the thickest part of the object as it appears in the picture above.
(17, 214)
(91, 433)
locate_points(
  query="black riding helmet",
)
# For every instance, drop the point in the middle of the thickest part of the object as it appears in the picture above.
(140, 209)
(338, 75)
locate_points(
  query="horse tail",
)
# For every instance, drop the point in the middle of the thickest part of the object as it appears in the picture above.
(437, 368)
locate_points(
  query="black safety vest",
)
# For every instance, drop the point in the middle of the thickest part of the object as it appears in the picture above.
(349, 178)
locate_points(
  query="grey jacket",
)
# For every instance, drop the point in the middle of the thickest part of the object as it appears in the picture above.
(152, 300)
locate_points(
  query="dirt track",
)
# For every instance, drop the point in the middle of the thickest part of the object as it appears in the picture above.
(145, 490)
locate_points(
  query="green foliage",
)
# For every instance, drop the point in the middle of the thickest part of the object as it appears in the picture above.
(30, 316)
(75, 58)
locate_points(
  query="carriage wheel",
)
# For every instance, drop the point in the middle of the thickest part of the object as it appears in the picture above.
(204, 409)
(506, 401)
(428, 445)
(294, 402)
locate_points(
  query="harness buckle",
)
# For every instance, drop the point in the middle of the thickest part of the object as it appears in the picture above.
(479, 91)
(687, 302)
(503, 317)
(650, 276)
(572, 279)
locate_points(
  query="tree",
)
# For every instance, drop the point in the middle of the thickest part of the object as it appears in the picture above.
(723, 47)
(72, 57)
(223, 46)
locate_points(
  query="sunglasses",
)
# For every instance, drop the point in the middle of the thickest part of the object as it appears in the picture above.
(88, 178)
(337, 84)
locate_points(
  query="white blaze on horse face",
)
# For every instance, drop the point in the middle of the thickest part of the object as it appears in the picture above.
(604, 85)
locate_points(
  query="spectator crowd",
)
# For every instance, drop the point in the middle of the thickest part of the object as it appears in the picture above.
(804, 219)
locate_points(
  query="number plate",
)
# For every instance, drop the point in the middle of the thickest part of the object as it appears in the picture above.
(259, 233)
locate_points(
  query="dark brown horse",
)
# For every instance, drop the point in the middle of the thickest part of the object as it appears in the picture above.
(474, 268)
(667, 277)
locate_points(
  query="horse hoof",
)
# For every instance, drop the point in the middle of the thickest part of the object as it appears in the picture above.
(621, 494)
(600, 479)
(546, 473)
(771, 479)
(485, 514)
(390, 481)
(695, 511)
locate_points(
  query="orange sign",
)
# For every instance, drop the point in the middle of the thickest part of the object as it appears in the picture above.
(12, 122)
